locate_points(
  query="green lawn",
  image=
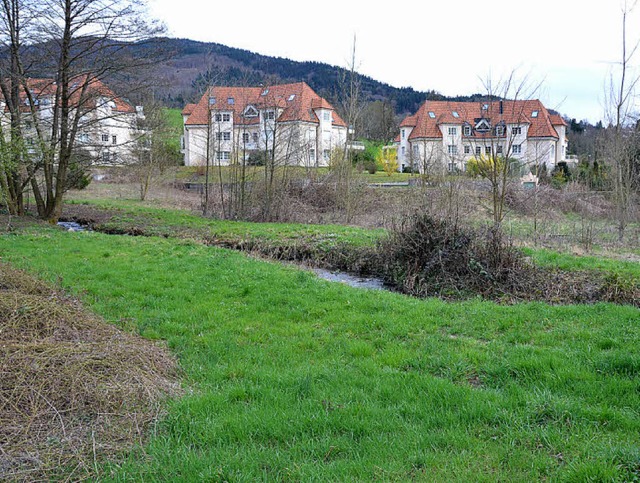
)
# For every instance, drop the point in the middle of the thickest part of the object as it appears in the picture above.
(179, 223)
(565, 261)
(294, 378)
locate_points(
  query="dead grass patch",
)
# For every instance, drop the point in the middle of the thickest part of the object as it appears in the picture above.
(73, 389)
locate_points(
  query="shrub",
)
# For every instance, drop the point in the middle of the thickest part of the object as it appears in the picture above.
(432, 256)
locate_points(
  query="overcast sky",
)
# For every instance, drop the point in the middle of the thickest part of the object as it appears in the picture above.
(569, 46)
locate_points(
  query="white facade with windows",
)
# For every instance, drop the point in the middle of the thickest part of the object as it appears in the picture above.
(289, 123)
(446, 135)
(106, 130)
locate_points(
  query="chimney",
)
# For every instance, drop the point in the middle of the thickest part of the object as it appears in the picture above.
(501, 108)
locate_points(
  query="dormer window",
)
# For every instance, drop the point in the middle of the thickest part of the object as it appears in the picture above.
(292, 97)
(499, 130)
(432, 114)
(483, 126)
(230, 101)
(455, 114)
(466, 130)
(250, 111)
(452, 131)
(534, 114)
(212, 100)
(265, 92)
(485, 107)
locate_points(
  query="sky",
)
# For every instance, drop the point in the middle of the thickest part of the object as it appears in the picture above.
(566, 51)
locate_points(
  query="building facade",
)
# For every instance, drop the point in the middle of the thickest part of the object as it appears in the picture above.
(107, 129)
(288, 123)
(446, 135)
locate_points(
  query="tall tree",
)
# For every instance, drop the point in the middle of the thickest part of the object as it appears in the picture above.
(620, 139)
(77, 44)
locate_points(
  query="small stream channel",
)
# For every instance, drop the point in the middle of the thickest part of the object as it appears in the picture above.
(351, 280)
(330, 275)
(72, 226)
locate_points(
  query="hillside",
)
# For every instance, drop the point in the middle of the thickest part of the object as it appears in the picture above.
(190, 66)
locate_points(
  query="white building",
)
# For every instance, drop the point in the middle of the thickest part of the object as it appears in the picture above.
(107, 127)
(288, 122)
(444, 134)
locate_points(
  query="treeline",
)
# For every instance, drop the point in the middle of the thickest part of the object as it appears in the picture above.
(194, 65)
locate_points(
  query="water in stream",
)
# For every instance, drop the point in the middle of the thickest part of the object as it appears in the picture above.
(351, 280)
(72, 226)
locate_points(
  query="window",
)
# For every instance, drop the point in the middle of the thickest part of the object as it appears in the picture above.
(231, 101)
(265, 92)
(105, 138)
(517, 149)
(245, 137)
(292, 97)
(499, 130)
(326, 154)
(452, 149)
(218, 136)
(270, 115)
(534, 114)
(212, 100)
(114, 139)
(223, 155)
(516, 130)
(485, 107)
(466, 130)
(483, 126)
(84, 137)
(452, 166)
(416, 151)
(499, 149)
(250, 112)
(312, 154)
(487, 150)
(478, 150)
(403, 134)
(467, 149)
(106, 157)
(403, 151)
(226, 117)
(327, 116)
(453, 131)
(432, 114)
(226, 136)
(455, 114)
(255, 137)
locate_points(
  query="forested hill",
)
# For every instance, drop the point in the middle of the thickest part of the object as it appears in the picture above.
(191, 66)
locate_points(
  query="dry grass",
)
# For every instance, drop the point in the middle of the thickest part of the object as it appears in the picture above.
(73, 389)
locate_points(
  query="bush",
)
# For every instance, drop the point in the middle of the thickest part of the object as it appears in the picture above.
(431, 256)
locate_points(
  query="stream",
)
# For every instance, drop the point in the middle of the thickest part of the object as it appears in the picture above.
(330, 275)
(72, 226)
(351, 280)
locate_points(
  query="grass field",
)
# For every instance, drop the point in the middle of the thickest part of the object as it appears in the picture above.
(293, 378)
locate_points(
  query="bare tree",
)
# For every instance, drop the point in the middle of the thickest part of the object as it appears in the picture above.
(78, 43)
(341, 162)
(620, 141)
(151, 148)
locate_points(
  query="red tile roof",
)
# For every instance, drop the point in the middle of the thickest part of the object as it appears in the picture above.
(427, 120)
(557, 120)
(43, 88)
(297, 102)
(188, 109)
